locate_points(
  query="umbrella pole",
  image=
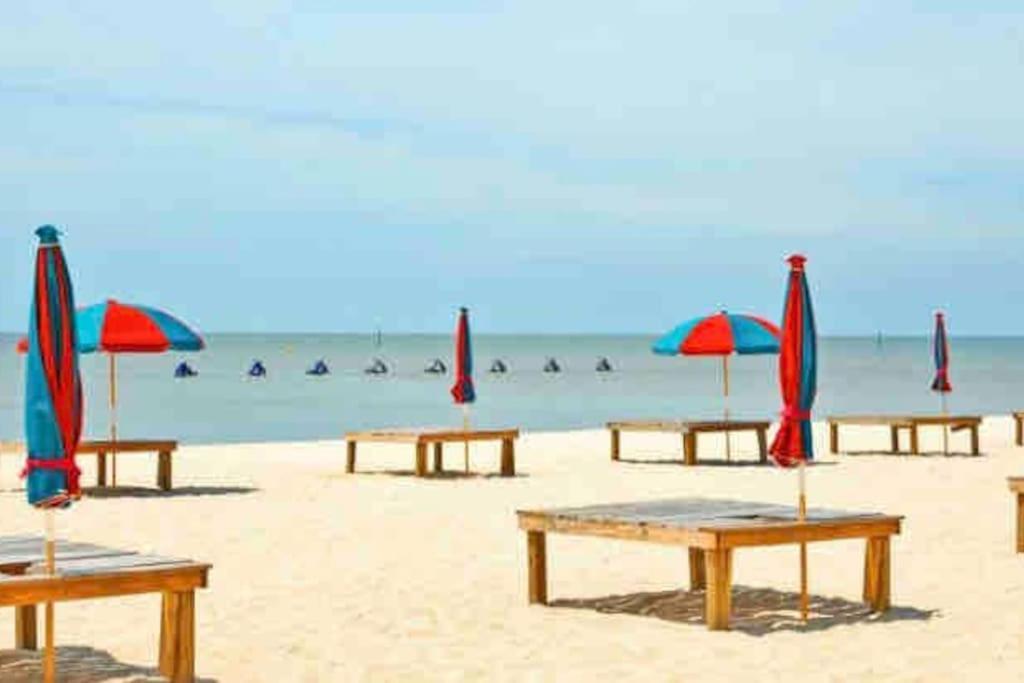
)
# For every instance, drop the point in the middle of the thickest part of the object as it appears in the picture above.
(945, 427)
(465, 428)
(802, 515)
(725, 388)
(113, 418)
(49, 654)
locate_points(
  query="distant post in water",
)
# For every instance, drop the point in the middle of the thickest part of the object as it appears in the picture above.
(463, 391)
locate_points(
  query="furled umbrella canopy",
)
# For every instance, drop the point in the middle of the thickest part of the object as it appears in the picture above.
(941, 382)
(53, 386)
(463, 390)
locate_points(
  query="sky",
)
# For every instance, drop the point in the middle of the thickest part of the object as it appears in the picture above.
(571, 166)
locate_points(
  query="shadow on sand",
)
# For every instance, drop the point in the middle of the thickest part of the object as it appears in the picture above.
(905, 454)
(710, 462)
(444, 474)
(755, 611)
(76, 665)
(179, 492)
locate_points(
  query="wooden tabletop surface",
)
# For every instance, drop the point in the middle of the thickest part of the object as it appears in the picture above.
(683, 425)
(413, 434)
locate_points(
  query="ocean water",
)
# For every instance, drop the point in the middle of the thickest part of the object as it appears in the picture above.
(222, 405)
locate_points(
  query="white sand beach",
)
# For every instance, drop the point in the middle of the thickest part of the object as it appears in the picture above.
(378, 576)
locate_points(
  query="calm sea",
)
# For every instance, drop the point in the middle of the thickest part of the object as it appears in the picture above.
(222, 405)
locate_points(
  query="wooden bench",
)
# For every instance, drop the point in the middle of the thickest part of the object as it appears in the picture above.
(101, 449)
(420, 438)
(84, 572)
(1018, 418)
(1017, 487)
(711, 530)
(689, 431)
(910, 423)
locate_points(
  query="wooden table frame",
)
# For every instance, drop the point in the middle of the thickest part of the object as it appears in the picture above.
(1018, 418)
(910, 423)
(86, 572)
(423, 437)
(1017, 488)
(711, 530)
(689, 431)
(101, 449)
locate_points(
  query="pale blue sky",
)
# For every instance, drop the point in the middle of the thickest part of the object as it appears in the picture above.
(256, 165)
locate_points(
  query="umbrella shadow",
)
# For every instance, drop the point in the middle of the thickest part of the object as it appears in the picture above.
(906, 454)
(179, 492)
(444, 474)
(77, 665)
(755, 611)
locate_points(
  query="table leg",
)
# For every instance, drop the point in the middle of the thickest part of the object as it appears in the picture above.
(25, 629)
(177, 637)
(876, 573)
(421, 459)
(1020, 522)
(690, 448)
(718, 599)
(439, 457)
(101, 469)
(616, 445)
(894, 439)
(537, 567)
(833, 437)
(914, 444)
(762, 445)
(698, 575)
(350, 457)
(1020, 430)
(975, 441)
(163, 471)
(508, 458)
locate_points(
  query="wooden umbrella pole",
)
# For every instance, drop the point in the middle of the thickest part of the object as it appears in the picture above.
(945, 426)
(725, 387)
(802, 515)
(465, 428)
(50, 653)
(113, 418)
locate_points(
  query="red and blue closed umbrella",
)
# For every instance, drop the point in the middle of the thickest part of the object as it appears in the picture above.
(940, 351)
(463, 392)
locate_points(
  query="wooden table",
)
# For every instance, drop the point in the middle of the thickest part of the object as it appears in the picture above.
(420, 438)
(1018, 418)
(1017, 487)
(84, 572)
(712, 529)
(163, 449)
(910, 423)
(689, 431)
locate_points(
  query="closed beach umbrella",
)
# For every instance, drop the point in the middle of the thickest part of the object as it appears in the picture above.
(53, 400)
(115, 328)
(798, 378)
(463, 391)
(941, 384)
(721, 334)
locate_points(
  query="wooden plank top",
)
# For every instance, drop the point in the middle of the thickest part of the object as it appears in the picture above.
(1016, 484)
(687, 425)
(709, 523)
(431, 434)
(94, 446)
(900, 420)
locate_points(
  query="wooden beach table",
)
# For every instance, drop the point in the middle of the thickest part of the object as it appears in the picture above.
(711, 530)
(422, 437)
(1018, 418)
(689, 430)
(85, 572)
(1017, 487)
(164, 449)
(910, 423)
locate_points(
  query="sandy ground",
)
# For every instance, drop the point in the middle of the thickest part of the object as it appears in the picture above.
(378, 576)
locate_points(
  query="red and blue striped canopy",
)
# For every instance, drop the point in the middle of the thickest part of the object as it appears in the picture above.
(53, 386)
(113, 327)
(798, 371)
(941, 352)
(720, 334)
(463, 390)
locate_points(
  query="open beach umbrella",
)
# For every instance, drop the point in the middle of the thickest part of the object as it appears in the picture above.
(798, 379)
(721, 334)
(53, 401)
(941, 384)
(114, 328)
(463, 391)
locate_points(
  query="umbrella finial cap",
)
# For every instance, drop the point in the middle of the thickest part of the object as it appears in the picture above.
(47, 234)
(797, 261)
(940, 315)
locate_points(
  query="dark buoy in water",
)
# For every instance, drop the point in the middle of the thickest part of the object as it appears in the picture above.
(184, 370)
(498, 367)
(437, 367)
(604, 365)
(552, 366)
(377, 367)
(319, 369)
(257, 370)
